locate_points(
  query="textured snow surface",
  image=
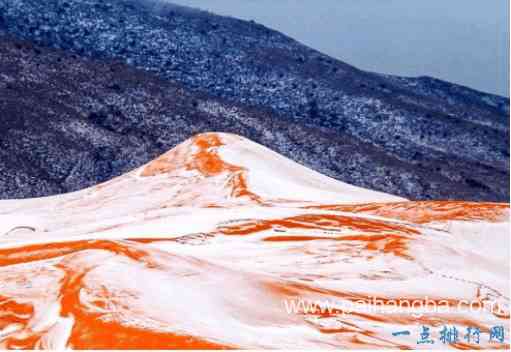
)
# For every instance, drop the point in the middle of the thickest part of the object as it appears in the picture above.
(205, 246)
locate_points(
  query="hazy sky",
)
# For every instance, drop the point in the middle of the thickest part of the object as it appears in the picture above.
(462, 41)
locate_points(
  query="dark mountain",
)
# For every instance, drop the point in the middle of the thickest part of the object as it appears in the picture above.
(127, 80)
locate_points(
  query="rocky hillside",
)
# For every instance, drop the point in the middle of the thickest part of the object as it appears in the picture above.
(126, 80)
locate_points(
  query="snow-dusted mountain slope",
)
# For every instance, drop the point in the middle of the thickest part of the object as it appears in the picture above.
(126, 80)
(223, 243)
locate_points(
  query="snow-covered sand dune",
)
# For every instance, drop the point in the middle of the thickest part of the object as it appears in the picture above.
(222, 243)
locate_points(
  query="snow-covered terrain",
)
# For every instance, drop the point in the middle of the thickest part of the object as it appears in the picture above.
(222, 243)
(114, 83)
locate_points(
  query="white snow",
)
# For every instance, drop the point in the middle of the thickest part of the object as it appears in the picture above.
(197, 280)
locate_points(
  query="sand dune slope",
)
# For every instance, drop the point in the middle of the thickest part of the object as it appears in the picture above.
(222, 243)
